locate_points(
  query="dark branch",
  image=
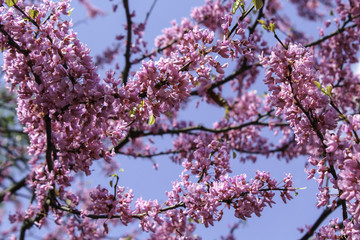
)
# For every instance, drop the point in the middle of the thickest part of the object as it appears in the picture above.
(12, 42)
(150, 10)
(340, 30)
(237, 24)
(106, 216)
(134, 134)
(13, 189)
(241, 70)
(321, 218)
(127, 54)
(159, 50)
(49, 145)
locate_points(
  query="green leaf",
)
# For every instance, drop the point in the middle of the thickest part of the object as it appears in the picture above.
(11, 3)
(111, 183)
(113, 175)
(70, 11)
(151, 120)
(227, 110)
(328, 90)
(318, 85)
(33, 13)
(234, 154)
(235, 6)
(258, 4)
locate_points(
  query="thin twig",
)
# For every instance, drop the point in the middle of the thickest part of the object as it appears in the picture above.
(150, 10)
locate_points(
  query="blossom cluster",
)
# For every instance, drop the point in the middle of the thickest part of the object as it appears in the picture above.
(74, 118)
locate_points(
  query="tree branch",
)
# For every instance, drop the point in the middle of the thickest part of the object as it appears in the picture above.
(134, 134)
(150, 10)
(49, 145)
(241, 70)
(321, 218)
(340, 30)
(125, 72)
(13, 189)
(159, 50)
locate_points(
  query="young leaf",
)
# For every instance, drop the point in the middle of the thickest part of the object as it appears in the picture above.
(318, 85)
(328, 90)
(11, 3)
(258, 4)
(226, 112)
(272, 27)
(235, 6)
(151, 120)
(33, 13)
(262, 22)
(70, 11)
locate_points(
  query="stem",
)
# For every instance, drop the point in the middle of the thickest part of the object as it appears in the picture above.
(277, 38)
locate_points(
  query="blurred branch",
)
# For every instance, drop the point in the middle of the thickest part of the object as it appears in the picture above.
(150, 10)
(12, 131)
(15, 187)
